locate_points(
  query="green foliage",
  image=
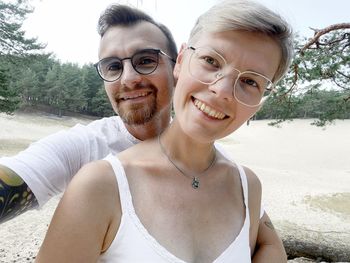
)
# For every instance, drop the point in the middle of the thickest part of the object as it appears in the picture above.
(9, 100)
(317, 84)
(39, 80)
(72, 96)
(328, 60)
(13, 42)
(327, 105)
(101, 104)
(322, 105)
(92, 85)
(12, 38)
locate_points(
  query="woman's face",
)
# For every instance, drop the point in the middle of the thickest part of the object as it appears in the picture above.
(208, 110)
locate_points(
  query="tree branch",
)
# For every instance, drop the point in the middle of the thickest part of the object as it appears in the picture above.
(321, 32)
(342, 74)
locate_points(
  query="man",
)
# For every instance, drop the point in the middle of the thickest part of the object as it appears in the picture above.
(138, 72)
(142, 101)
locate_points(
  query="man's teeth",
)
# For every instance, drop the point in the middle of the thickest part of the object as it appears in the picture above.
(209, 111)
(143, 94)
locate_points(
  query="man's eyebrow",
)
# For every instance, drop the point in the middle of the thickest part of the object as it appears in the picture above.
(147, 48)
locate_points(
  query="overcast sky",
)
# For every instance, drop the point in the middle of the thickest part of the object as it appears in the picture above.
(68, 27)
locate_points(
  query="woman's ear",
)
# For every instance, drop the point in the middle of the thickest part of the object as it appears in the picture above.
(179, 60)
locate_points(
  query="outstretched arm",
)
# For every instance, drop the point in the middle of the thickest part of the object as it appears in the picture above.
(269, 247)
(15, 195)
(48, 165)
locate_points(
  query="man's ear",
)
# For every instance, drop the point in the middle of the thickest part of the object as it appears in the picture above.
(179, 61)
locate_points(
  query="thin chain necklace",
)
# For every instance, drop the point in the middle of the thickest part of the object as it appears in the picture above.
(195, 179)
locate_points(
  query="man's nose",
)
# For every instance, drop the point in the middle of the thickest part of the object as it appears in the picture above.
(129, 75)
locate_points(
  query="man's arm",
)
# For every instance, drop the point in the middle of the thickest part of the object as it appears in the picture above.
(15, 195)
(46, 167)
(269, 247)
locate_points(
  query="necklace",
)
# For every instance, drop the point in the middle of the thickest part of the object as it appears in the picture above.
(195, 179)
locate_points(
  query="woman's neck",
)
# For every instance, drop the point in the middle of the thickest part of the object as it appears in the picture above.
(185, 152)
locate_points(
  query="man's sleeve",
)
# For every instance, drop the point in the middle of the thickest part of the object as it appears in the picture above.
(48, 165)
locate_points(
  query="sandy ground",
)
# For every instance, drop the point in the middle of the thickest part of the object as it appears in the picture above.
(305, 172)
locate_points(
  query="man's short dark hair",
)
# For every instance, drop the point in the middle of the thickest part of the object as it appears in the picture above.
(122, 15)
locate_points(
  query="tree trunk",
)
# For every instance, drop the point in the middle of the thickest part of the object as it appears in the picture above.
(328, 246)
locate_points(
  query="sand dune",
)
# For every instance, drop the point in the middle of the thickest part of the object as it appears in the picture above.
(305, 172)
(297, 164)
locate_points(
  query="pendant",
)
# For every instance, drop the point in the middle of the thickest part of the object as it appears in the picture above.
(195, 183)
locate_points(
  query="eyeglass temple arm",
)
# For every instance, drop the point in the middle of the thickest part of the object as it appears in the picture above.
(165, 54)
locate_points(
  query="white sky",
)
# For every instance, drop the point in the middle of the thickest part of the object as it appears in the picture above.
(68, 27)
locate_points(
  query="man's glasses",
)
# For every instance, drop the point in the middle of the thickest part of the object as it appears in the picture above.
(207, 66)
(144, 62)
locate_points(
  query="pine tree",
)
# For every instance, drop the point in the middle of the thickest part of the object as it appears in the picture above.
(12, 37)
(13, 45)
(9, 100)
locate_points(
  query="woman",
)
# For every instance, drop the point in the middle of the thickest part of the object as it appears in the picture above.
(176, 198)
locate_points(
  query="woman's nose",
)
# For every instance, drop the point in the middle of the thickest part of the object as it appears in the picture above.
(223, 86)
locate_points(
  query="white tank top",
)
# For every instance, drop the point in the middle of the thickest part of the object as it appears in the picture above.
(133, 243)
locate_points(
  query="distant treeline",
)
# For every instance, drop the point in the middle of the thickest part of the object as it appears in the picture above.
(41, 80)
(323, 105)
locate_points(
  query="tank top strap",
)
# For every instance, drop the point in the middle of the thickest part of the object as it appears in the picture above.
(244, 183)
(123, 185)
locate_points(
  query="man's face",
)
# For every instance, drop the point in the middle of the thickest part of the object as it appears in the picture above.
(136, 98)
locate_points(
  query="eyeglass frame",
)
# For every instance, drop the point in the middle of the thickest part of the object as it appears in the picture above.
(156, 51)
(219, 76)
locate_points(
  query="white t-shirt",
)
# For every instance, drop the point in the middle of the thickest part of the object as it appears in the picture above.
(48, 165)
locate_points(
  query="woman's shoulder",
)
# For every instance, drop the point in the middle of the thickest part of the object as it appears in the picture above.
(95, 182)
(96, 172)
(85, 214)
(254, 196)
(253, 180)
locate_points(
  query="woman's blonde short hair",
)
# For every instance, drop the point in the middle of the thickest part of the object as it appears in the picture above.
(249, 16)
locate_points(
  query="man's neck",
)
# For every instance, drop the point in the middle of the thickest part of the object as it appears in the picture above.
(148, 130)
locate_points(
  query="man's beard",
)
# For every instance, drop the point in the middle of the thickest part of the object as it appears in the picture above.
(138, 114)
